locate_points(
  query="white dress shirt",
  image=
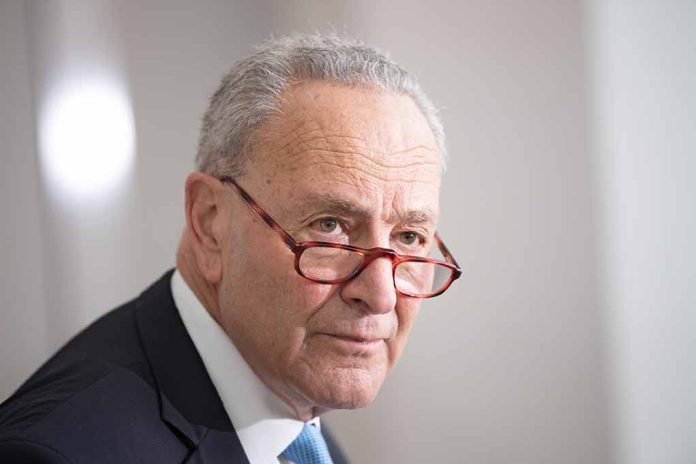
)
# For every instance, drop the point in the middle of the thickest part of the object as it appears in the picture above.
(264, 423)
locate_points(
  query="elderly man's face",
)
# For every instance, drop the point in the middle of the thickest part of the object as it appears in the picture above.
(337, 164)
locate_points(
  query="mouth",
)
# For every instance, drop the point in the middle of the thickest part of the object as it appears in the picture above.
(356, 339)
(354, 343)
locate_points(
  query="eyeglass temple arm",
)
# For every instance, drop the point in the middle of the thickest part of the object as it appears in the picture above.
(287, 239)
(445, 251)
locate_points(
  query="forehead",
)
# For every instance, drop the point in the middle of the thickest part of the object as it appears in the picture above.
(356, 142)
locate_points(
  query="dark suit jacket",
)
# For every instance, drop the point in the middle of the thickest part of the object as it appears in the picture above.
(131, 388)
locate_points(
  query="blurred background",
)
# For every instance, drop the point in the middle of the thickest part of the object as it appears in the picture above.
(570, 201)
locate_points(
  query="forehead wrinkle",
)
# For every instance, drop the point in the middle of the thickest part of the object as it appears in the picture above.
(345, 145)
(295, 135)
(294, 139)
(323, 200)
(351, 157)
(347, 167)
(296, 142)
(414, 175)
(327, 145)
(372, 159)
(346, 120)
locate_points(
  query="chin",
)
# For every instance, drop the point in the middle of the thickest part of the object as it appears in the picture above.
(345, 388)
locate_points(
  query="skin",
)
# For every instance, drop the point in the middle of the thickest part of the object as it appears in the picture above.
(337, 164)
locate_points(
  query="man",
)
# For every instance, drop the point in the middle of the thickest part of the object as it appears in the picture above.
(309, 244)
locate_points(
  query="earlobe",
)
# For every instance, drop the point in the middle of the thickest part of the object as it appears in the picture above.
(203, 209)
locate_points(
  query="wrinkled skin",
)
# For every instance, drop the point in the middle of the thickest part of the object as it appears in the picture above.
(337, 164)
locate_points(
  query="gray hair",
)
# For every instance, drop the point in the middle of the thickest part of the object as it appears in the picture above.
(251, 91)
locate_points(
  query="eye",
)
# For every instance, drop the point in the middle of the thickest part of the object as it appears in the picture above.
(328, 228)
(327, 225)
(408, 237)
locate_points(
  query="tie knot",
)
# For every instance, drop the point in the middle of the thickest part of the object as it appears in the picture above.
(308, 448)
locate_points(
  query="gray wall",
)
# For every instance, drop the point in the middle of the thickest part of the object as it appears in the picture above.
(23, 307)
(517, 363)
(645, 139)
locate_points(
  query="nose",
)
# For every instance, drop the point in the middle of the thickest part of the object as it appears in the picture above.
(373, 290)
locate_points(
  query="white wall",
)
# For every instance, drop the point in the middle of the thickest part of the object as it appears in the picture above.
(90, 236)
(507, 367)
(23, 327)
(644, 77)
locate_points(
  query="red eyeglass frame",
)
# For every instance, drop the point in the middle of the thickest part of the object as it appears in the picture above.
(369, 254)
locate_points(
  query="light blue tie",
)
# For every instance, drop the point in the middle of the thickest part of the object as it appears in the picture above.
(308, 448)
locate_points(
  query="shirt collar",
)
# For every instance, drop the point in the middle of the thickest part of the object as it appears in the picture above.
(264, 423)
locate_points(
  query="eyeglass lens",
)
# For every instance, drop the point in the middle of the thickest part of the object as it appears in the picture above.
(410, 277)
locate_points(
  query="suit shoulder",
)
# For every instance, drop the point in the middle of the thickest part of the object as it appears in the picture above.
(116, 418)
(95, 400)
(109, 345)
(27, 452)
(61, 380)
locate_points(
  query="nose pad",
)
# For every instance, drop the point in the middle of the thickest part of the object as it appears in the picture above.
(373, 288)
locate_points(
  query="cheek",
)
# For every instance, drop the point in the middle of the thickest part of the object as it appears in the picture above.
(270, 277)
(406, 312)
(273, 302)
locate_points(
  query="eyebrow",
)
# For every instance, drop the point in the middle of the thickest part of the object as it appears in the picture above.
(329, 202)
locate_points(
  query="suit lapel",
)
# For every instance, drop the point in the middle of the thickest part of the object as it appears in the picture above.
(189, 403)
(218, 447)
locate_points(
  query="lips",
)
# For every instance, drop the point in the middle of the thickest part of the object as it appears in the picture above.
(356, 338)
(353, 345)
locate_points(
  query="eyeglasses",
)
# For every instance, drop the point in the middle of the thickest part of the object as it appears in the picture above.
(335, 263)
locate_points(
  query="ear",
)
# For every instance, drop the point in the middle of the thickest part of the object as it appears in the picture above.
(204, 222)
